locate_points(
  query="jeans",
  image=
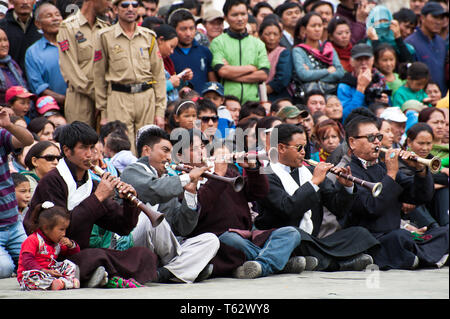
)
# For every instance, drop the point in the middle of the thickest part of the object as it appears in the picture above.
(11, 239)
(275, 253)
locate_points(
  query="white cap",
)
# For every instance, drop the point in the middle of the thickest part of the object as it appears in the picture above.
(394, 114)
(4, 6)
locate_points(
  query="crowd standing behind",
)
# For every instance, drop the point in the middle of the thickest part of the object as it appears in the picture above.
(133, 88)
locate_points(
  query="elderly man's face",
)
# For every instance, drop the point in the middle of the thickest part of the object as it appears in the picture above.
(23, 7)
(397, 129)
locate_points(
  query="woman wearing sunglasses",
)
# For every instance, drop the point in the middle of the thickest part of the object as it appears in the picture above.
(40, 159)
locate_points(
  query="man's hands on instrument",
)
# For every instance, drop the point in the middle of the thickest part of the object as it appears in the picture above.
(405, 155)
(195, 175)
(344, 170)
(391, 161)
(320, 172)
(108, 184)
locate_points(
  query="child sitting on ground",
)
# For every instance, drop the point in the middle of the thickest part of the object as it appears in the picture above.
(38, 268)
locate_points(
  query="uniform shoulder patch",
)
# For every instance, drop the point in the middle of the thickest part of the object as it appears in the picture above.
(64, 45)
(98, 55)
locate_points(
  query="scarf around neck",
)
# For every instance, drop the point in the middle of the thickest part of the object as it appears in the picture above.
(9, 62)
(291, 186)
(274, 56)
(324, 53)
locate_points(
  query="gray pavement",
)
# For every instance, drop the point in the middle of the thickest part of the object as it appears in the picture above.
(369, 284)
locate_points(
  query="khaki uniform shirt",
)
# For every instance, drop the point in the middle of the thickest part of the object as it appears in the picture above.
(124, 60)
(76, 52)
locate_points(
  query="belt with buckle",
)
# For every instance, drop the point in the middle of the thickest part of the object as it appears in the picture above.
(131, 88)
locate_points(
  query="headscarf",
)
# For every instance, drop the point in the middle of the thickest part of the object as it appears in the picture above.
(383, 30)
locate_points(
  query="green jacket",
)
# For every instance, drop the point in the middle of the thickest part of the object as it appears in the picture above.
(239, 50)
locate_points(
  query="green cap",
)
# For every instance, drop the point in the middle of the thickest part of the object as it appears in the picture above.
(291, 112)
(413, 105)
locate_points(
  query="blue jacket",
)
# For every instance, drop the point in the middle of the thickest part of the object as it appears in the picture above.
(432, 53)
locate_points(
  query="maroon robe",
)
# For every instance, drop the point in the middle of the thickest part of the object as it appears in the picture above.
(223, 209)
(137, 262)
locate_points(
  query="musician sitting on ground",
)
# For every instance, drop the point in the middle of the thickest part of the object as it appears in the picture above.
(90, 202)
(187, 260)
(400, 248)
(226, 213)
(299, 195)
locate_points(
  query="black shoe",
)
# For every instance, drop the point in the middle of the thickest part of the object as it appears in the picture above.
(205, 273)
(163, 275)
(357, 263)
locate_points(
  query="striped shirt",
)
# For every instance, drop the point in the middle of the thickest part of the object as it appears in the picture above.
(8, 203)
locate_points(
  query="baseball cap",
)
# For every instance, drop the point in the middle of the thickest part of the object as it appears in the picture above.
(291, 112)
(433, 8)
(46, 103)
(18, 91)
(212, 14)
(394, 114)
(3, 7)
(413, 105)
(213, 86)
(361, 50)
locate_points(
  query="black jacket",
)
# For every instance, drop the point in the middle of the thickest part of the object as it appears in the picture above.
(19, 41)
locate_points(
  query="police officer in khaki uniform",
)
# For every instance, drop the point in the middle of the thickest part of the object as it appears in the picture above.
(76, 38)
(129, 75)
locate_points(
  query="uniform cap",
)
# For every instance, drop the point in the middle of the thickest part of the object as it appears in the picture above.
(215, 87)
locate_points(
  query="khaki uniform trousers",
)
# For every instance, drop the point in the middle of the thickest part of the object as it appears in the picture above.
(134, 109)
(79, 107)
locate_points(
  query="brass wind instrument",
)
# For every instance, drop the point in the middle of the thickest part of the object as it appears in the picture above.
(434, 164)
(236, 182)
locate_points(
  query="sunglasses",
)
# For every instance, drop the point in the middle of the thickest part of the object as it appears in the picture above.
(206, 119)
(50, 158)
(298, 148)
(371, 138)
(126, 4)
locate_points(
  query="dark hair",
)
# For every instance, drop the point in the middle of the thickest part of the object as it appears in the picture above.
(110, 127)
(182, 136)
(314, 92)
(352, 126)
(231, 98)
(205, 104)
(360, 111)
(414, 71)
(381, 48)
(150, 137)
(425, 114)
(231, 3)
(286, 6)
(302, 23)
(405, 15)
(244, 125)
(152, 22)
(181, 106)
(38, 124)
(251, 107)
(265, 123)
(307, 3)
(47, 218)
(268, 23)
(118, 141)
(259, 5)
(335, 22)
(18, 179)
(285, 132)
(75, 132)
(375, 106)
(166, 32)
(178, 16)
(275, 106)
(321, 3)
(35, 151)
(414, 130)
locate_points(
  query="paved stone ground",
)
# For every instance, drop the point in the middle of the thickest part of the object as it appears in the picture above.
(392, 284)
